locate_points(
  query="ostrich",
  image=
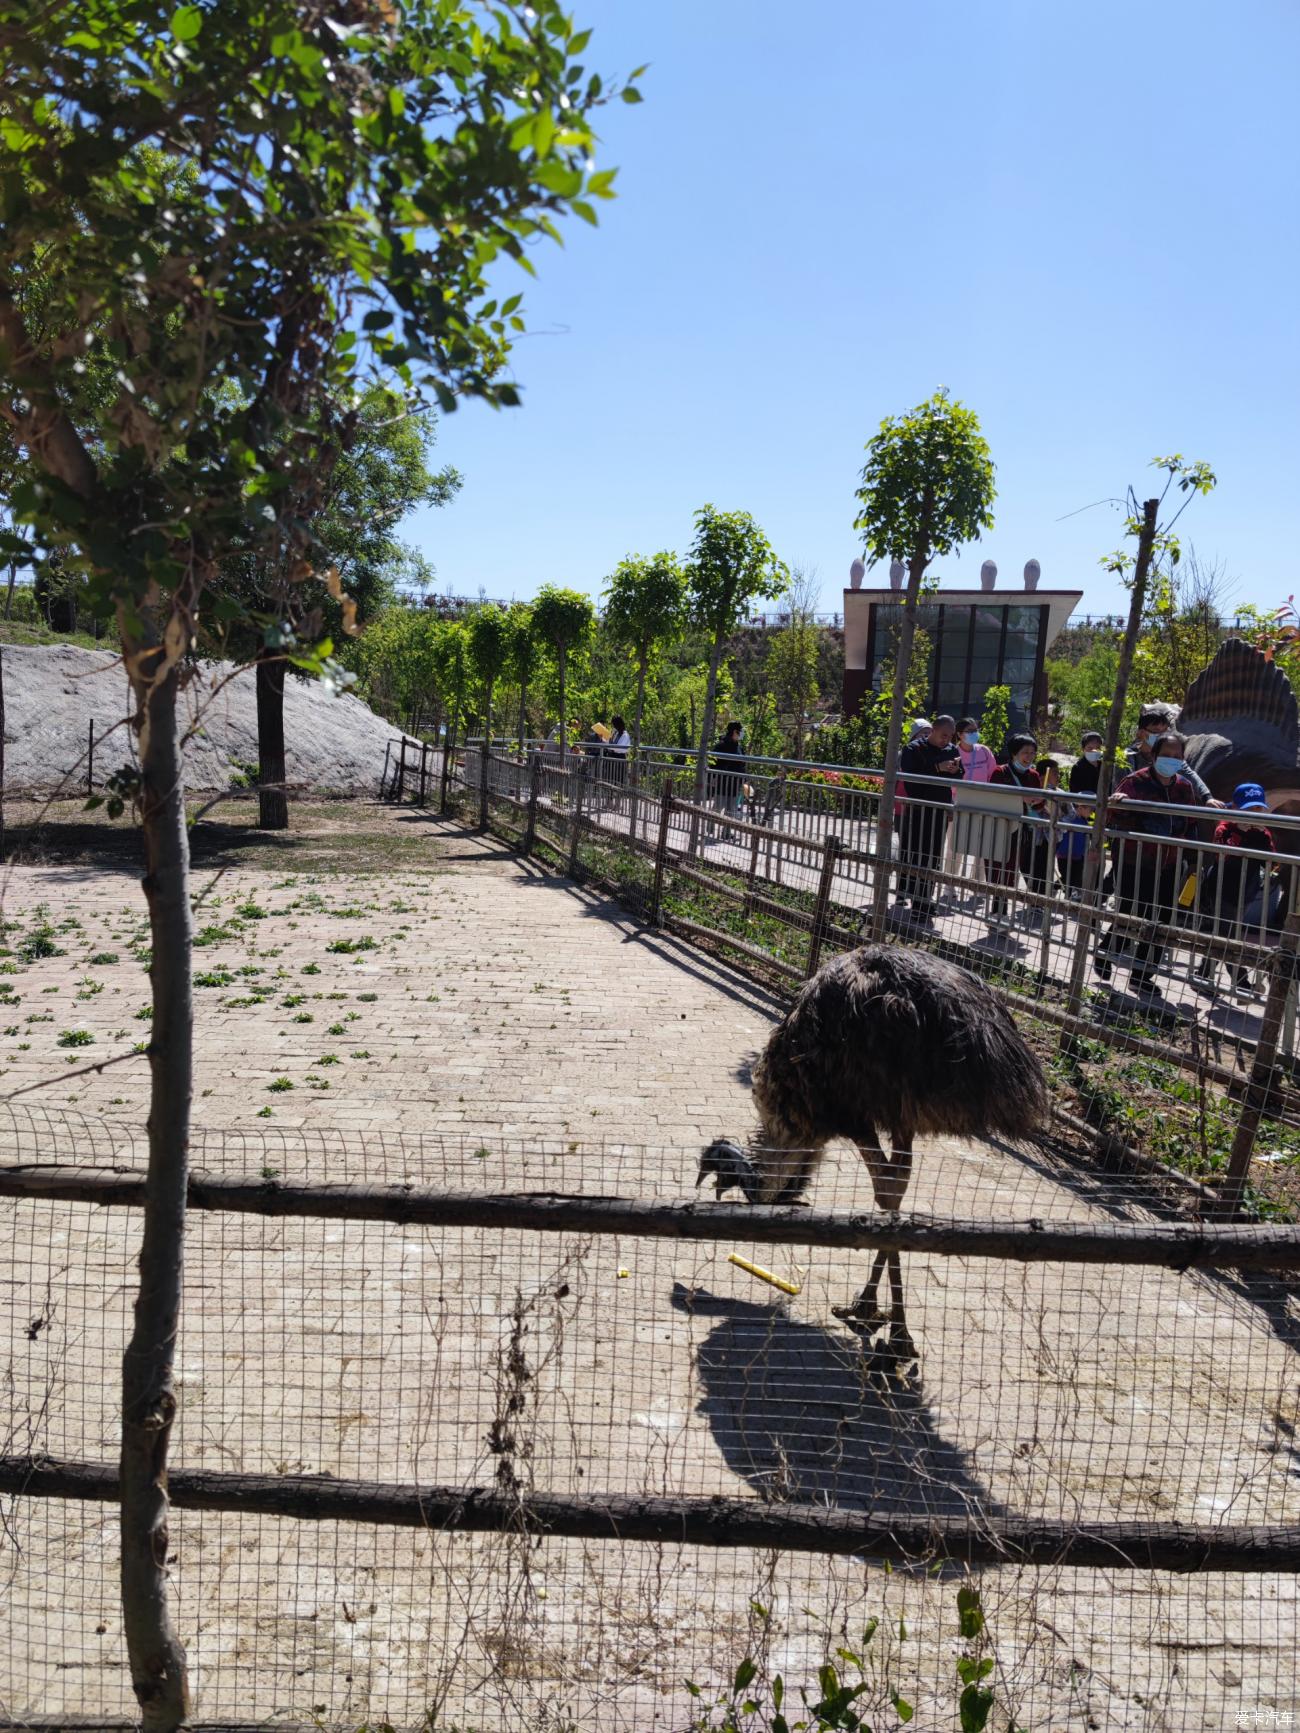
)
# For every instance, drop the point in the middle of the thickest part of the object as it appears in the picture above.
(882, 1038)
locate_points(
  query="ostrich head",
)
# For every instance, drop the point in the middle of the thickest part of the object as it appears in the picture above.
(730, 1166)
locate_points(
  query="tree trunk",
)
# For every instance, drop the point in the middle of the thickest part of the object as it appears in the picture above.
(272, 797)
(523, 719)
(564, 714)
(485, 763)
(634, 769)
(902, 670)
(157, 1659)
(9, 594)
(1090, 903)
(710, 703)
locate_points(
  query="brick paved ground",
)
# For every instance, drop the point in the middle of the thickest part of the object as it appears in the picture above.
(443, 1010)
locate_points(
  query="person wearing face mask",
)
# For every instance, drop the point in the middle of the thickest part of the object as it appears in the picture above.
(1086, 769)
(923, 828)
(978, 762)
(1154, 725)
(1026, 843)
(1145, 856)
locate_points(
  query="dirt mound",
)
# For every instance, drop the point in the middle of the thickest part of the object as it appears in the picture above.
(54, 693)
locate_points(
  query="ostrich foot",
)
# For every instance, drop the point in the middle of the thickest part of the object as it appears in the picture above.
(864, 1315)
(899, 1345)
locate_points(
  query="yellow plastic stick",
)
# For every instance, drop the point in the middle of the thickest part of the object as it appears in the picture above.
(762, 1274)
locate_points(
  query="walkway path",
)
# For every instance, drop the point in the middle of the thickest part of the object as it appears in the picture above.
(499, 1027)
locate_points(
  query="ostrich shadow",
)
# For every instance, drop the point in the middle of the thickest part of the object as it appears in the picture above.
(809, 1416)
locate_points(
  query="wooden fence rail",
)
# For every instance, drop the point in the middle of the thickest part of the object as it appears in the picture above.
(1165, 1245)
(708, 1521)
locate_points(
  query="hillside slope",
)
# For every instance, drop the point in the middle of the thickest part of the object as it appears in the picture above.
(52, 694)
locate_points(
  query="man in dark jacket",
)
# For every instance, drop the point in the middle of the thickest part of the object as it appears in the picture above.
(726, 779)
(1085, 772)
(1146, 857)
(1152, 727)
(923, 828)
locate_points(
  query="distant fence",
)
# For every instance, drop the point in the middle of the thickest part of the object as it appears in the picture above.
(1191, 969)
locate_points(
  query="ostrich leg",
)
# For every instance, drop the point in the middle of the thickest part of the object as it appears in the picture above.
(889, 1182)
(865, 1313)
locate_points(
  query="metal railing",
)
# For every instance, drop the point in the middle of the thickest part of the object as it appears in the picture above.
(1190, 963)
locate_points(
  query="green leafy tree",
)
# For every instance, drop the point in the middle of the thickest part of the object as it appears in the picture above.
(995, 717)
(394, 658)
(645, 608)
(926, 487)
(488, 639)
(247, 214)
(489, 646)
(732, 564)
(676, 705)
(372, 485)
(451, 672)
(794, 657)
(523, 660)
(563, 620)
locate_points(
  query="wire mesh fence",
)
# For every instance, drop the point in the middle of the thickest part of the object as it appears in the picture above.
(330, 1363)
(1156, 1040)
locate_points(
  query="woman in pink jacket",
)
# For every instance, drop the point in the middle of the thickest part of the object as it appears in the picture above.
(978, 764)
(977, 761)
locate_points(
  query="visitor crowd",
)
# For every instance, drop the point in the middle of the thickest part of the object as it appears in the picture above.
(1156, 870)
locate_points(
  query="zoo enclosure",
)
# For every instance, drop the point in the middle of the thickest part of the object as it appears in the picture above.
(454, 1419)
(778, 867)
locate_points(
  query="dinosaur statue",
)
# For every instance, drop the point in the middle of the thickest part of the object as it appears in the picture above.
(1242, 725)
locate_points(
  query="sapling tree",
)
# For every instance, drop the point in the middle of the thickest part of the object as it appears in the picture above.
(488, 642)
(246, 215)
(523, 657)
(926, 487)
(792, 660)
(1155, 553)
(645, 609)
(732, 564)
(372, 484)
(451, 672)
(563, 620)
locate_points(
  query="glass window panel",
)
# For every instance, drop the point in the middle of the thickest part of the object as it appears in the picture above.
(1024, 622)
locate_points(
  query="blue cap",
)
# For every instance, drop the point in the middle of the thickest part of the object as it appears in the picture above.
(1249, 797)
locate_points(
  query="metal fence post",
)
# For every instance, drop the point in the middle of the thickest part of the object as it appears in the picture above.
(401, 773)
(830, 854)
(534, 788)
(90, 760)
(1282, 973)
(424, 772)
(1049, 884)
(634, 792)
(661, 854)
(483, 784)
(575, 822)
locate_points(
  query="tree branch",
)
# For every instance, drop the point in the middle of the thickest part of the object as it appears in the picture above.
(44, 426)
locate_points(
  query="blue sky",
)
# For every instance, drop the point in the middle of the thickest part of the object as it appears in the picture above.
(1082, 220)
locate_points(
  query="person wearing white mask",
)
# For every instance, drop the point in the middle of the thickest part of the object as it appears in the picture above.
(1086, 769)
(1026, 845)
(1154, 725)
(1145, 854)
(977, 761)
